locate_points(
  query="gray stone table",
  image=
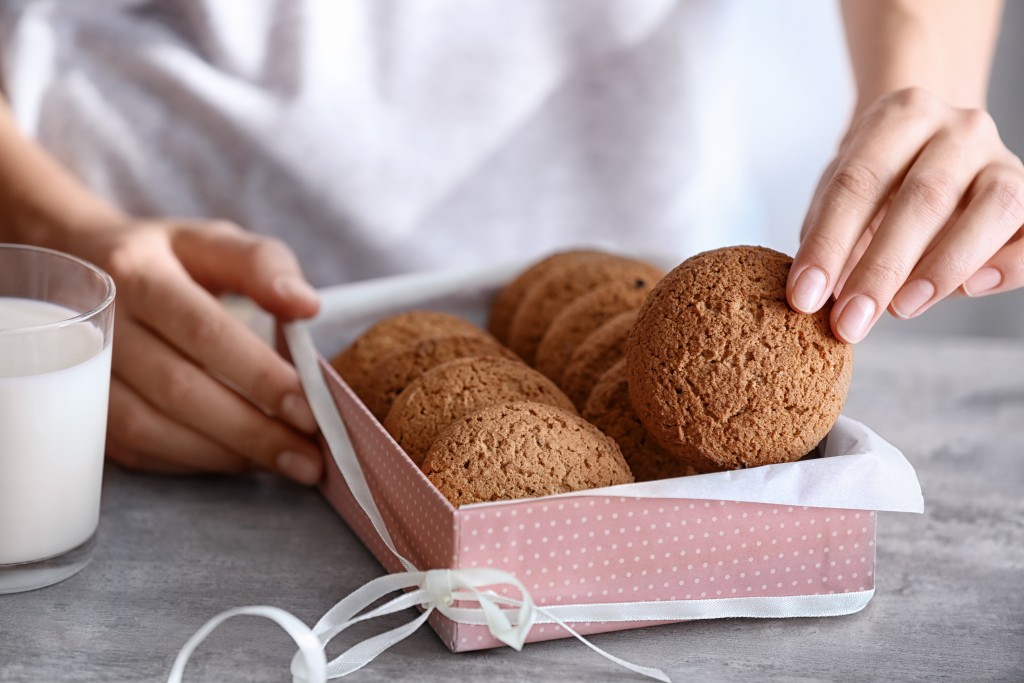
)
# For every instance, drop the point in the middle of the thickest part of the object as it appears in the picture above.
(950, 583)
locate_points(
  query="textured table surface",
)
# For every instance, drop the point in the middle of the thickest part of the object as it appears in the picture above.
(950, 583)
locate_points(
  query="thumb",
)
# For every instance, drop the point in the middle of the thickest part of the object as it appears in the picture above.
(223, 257)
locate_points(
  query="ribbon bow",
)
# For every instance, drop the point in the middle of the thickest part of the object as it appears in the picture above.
(437, 589)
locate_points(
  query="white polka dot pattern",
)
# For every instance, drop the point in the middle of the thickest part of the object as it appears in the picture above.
(421, 521)
(600, 549)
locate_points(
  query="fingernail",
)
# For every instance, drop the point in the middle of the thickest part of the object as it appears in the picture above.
(855, 318)
(296, 410)
(912, 298)
(808, 289)
(294, 287)
(299, 466)
(984, 280)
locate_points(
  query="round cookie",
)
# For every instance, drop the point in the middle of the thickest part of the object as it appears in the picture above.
(522, 450)
(724, 374)
(357, 363)
(399, 369)
(605, 347)
(506, 303)
(609, 409)
(448, 392)
(584, 315)
(560, 287)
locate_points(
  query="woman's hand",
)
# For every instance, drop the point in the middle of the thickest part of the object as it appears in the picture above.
(922, 199)
(193, 389)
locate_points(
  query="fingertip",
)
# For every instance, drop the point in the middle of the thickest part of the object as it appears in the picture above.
(806, 291)
(300, 467)
(853, 319)
(912, 299)
(985, 281)
(295, 409)
(836, 331)
(295, 288)
(297, 297)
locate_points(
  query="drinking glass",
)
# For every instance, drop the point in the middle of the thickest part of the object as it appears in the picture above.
(56, 326)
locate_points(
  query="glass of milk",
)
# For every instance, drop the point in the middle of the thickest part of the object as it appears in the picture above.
(56, 325)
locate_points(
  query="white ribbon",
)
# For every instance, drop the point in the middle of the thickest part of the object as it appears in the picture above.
(304, 355)
(440, 589)
(437, 589)
(310, 647)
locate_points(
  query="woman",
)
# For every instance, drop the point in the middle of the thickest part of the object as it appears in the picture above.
(372, 138)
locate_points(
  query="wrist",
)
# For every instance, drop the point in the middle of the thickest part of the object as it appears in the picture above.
(59, 217)
(41, 201)
(945, 48)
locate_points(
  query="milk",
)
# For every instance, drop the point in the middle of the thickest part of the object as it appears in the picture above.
(54, 386)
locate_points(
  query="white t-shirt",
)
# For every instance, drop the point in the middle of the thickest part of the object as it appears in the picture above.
(381, 136)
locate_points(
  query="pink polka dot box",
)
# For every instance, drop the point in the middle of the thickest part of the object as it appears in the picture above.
(783, 540)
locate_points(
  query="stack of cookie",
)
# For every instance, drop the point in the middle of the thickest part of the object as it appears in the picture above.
(570, 315)
(481, 424)
(702, 370)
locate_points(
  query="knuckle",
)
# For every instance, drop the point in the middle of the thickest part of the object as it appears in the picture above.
(824, 246)
(954, 268)
(883, 274)
(914, 100)
(121, 263)
(1014, 162)
(225, 227)
(267, 250)
(858, 181)
(1008, 194)
(132, 261)
(931, 191)
(176, 387)
(268, 385)
(259, 439)
(126, 262)
(129, 426)
(125, 457)
(977, 122)
(203, 331)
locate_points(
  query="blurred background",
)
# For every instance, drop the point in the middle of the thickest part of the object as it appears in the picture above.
(1001, 315)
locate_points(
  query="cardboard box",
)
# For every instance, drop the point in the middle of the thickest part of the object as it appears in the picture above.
(784, 540)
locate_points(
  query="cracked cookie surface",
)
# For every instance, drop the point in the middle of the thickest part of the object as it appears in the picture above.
(450, 391)
(548, 296)
(357, 363)
(582, 317)
(724, 374)
(595, 355)
(522, 450)
(610, 410)
(506, 303)
(398, 370)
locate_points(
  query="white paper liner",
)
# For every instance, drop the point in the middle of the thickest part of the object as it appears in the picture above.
(857, 471)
